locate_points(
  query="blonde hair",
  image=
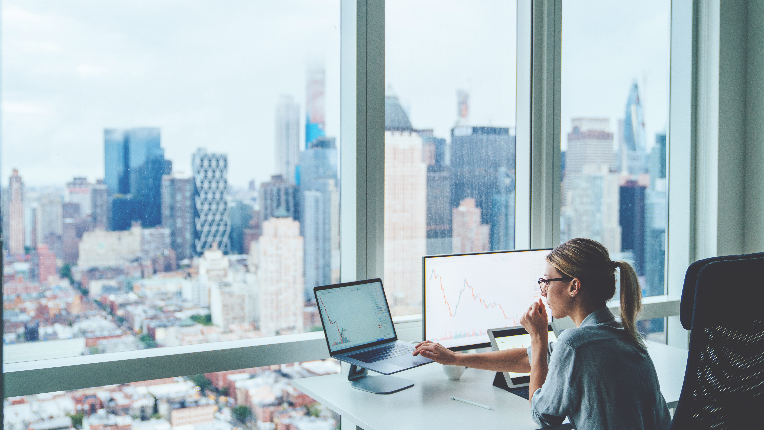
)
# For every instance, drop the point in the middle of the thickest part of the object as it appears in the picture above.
(589, 261)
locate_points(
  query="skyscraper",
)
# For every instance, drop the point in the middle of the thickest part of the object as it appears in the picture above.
(178, 214)
(16, 215)
(478, 154)
(438, 194)
(314, 104)
(50, 219)
(280, 276)
(79, 190)
(590, 185)
(405, 209)
(469, 234)
(100, 208)
(632, 218)
(115, 162)
(634, 147)
(241, 214)
(656, 219)
(590, 143)
(503, 222)
(135, 164)
(276, 194)
(211, 207)
(320, 213)
(287, 137)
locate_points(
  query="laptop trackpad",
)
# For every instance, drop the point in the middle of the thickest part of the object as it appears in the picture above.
(406, 361)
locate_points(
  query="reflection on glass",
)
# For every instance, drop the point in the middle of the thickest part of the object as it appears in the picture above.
(449, 136)
(171, 173)
(614, 114)
(260, 398)
(653, 329)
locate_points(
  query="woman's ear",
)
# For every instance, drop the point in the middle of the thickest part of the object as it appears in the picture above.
(575, 287)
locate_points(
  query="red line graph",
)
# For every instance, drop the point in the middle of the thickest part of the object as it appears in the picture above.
(475, 296)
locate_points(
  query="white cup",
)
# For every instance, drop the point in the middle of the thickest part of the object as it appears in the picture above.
(453, 372)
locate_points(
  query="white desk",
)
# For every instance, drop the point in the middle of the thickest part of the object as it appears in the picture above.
(428, 404)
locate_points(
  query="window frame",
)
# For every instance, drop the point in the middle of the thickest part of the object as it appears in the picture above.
(362, 193)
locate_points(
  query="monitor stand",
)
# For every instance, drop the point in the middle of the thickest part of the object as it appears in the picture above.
(383, 384)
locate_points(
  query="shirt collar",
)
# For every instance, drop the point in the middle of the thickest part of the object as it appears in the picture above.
(600, 316)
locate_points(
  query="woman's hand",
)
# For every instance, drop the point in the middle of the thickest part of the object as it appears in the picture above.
(536, 321)
(436, 352)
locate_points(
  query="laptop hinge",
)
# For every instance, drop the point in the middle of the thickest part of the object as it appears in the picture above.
(356, 373)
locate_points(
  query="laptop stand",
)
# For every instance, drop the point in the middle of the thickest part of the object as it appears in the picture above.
(383, 384)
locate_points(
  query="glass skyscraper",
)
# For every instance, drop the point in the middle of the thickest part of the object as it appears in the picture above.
(134, 166)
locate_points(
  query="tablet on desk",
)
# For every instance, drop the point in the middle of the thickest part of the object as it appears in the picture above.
(506, 338)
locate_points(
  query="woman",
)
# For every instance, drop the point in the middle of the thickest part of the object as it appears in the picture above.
(598, 374)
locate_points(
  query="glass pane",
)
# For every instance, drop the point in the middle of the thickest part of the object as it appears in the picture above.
(261, 398)
(449, 136)
(653, 329)
(171, 172)
(615, 63)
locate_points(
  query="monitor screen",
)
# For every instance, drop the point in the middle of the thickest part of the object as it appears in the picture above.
(465, 295)
(354, 314)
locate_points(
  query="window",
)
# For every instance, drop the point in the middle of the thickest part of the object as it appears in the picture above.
(615, 63)
(449, 136)
(172, 172)
(241, 398)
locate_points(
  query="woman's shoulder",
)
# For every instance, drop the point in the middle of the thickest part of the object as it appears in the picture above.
(576, 337)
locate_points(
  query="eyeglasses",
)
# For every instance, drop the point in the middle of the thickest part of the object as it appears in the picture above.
(544, 283)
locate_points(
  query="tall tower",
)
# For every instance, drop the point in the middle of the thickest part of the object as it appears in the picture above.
(469, 235)
(178, 214)
(79, 190)
(280, 275)
(479, 158)
(277, 194)
(16, 214)
(320, 213)
(634, 148)
(134, 166)
(287, 137)
(590, 143)
(405, 209)
(210, 205)
(100, 209)
(314, 105)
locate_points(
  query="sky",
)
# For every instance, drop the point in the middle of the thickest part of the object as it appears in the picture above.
(211, 77)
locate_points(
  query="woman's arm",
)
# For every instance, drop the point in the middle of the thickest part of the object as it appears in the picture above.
(511, 360)
(535, 322)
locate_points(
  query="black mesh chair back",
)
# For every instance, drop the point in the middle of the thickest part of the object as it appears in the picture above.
(722, 304)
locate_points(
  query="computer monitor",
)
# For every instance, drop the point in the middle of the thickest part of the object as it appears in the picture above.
(464, 295)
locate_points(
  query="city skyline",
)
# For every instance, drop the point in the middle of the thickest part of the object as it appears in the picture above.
(42, 123)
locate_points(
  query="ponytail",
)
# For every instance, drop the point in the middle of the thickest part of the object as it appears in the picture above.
(589, 261)
(631, 301)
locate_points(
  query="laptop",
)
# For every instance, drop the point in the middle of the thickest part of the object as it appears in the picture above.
(506, 338)
(359, 329)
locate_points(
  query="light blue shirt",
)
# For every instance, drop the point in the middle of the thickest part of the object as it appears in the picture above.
(600, 379)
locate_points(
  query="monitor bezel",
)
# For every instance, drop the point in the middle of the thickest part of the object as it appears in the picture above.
(424, 277)
(350, 284)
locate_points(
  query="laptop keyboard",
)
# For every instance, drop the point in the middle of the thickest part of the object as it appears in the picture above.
(523, 392)
(383, 353)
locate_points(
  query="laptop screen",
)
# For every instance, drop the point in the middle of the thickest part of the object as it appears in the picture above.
(354, 315)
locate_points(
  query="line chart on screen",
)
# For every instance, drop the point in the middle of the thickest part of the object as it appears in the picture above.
(465, 295)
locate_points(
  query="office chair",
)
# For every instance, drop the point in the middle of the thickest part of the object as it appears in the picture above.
(722, 304)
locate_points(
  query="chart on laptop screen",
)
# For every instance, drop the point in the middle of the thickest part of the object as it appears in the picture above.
(354, 315)
(465, 295)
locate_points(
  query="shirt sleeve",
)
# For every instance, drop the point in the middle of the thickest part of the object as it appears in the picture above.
(552, 402)
(549, 352)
